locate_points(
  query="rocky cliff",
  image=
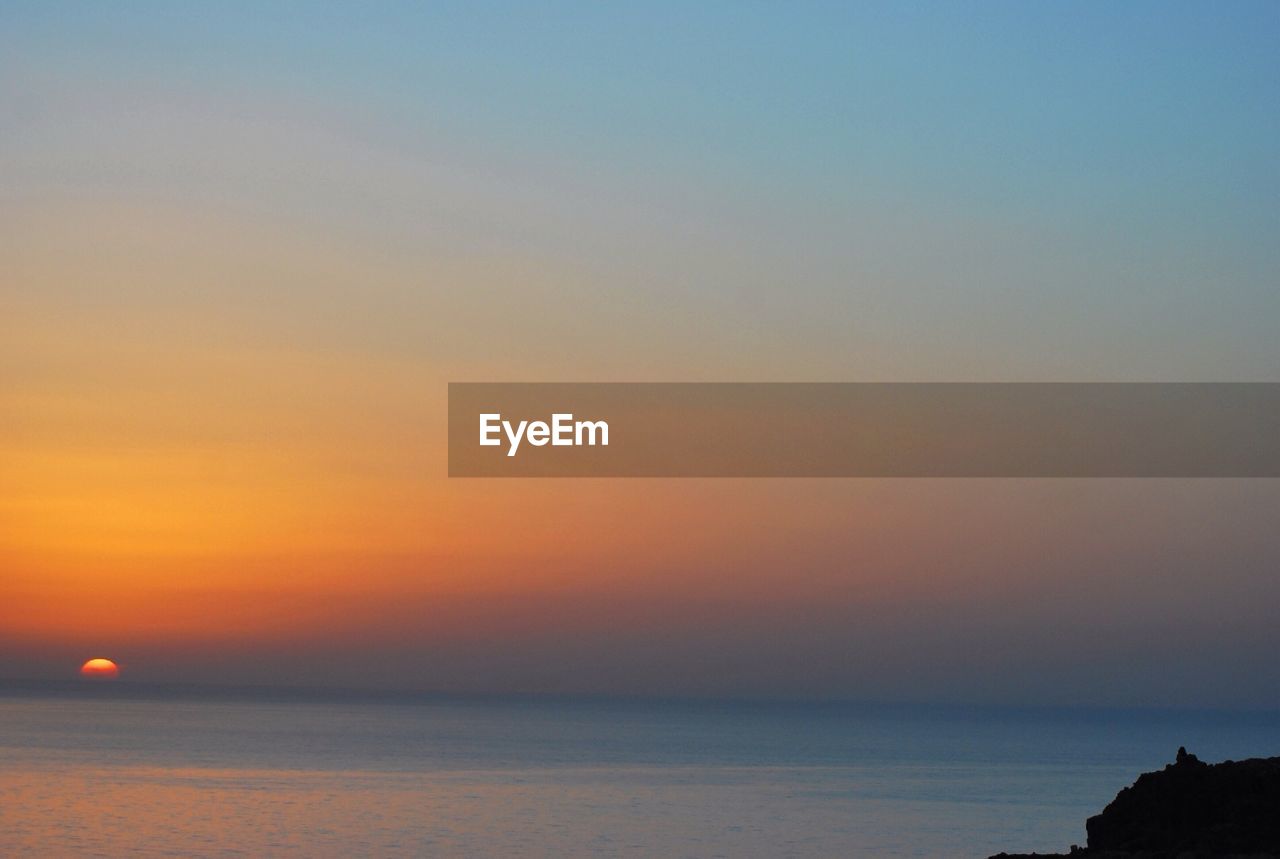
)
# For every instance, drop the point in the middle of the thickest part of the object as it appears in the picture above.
(1192, 809)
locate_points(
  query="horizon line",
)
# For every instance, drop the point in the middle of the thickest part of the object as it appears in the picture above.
(17, 686)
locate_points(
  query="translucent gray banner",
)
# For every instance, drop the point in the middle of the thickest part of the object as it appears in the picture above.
(864, 429)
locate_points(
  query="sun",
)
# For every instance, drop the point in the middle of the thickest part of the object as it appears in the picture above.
(100, 669)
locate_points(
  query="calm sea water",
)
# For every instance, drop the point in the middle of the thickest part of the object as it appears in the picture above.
(166, 774)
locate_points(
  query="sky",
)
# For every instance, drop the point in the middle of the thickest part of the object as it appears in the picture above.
(243, 251)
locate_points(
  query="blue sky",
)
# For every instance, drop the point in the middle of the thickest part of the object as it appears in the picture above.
(1110, 168)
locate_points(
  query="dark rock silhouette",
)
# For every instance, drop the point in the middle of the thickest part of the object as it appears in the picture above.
(1191, 809)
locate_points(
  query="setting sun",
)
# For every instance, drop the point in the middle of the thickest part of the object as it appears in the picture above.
(100, 669)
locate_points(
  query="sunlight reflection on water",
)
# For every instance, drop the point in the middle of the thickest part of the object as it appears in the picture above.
(160, 777)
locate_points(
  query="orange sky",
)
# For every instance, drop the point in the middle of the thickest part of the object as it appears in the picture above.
(213, 475)
(235, 280)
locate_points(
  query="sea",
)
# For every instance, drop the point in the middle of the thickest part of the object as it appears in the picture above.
(185, 772)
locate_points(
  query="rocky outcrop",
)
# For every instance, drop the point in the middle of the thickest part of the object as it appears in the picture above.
(1191, 809)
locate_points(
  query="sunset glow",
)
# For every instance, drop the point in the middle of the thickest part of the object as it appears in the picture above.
(234, 298)
(100, 669)
(673, 429)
